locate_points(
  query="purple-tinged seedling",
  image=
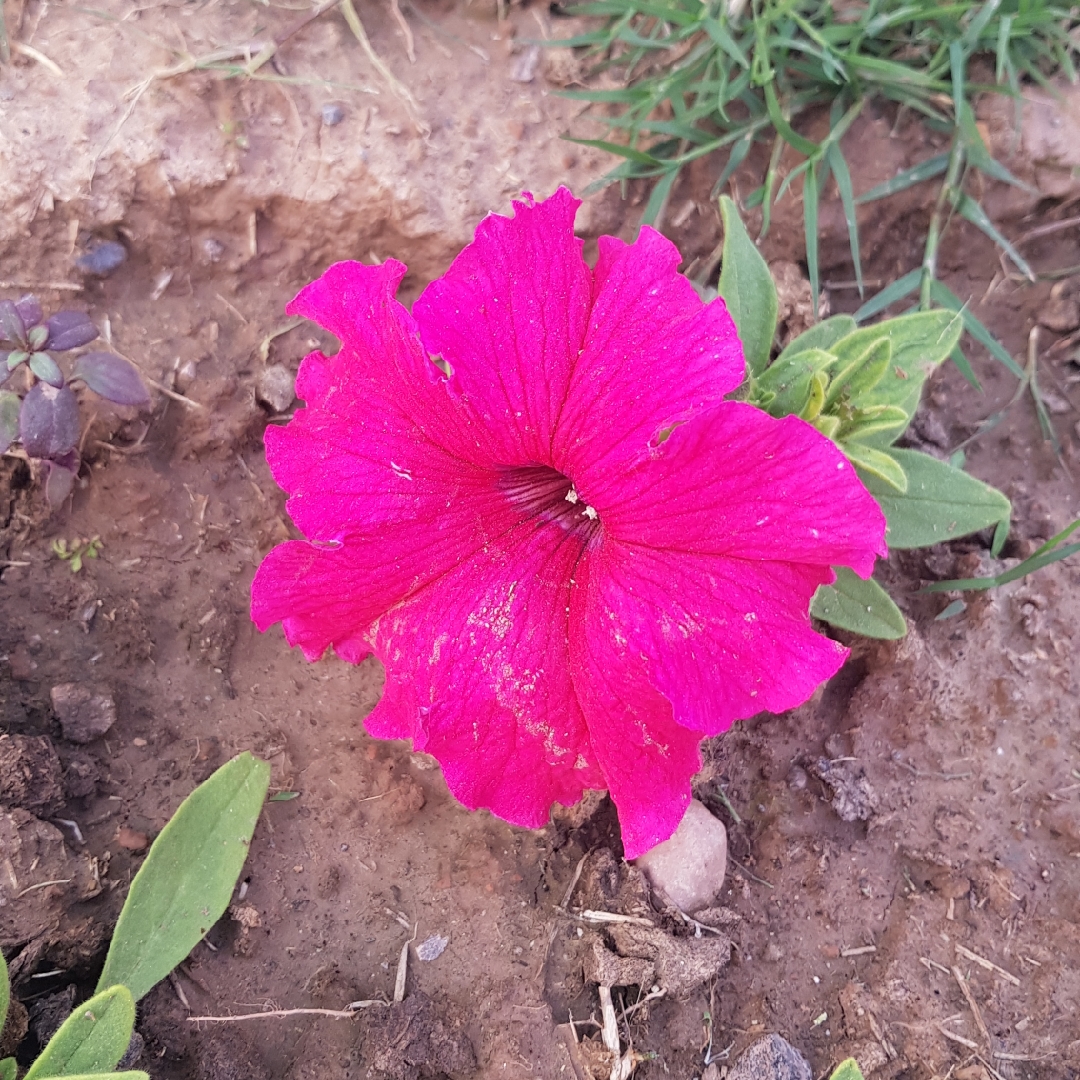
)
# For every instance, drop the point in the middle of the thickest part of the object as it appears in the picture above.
(45, 417)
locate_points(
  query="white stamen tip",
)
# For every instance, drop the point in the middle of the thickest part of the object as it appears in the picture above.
(590, 513)
(571, 496)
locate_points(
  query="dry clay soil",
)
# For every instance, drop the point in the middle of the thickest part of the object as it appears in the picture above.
(956, 752)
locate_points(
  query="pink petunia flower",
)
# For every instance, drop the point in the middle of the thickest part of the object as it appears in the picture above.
(574, 558)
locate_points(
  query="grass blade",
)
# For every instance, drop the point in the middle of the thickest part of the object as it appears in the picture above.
(943, 295)
(810, 225)
(836, 161)
(900, 288)
(926, 170)
(973, 212)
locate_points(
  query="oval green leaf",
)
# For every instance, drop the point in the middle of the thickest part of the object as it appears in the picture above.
(92, 1039)
(847, 1070)
(748, 290)
(9, 1069)
(822, 335)
(788, 381)
(941, 503)
(863, 607)
(5, 992)
(187, 878)
(878, 463)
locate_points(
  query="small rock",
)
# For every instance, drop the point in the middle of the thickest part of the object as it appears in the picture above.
(332, 114)
(102, 259)
(133, 1054)
(771, 1058)
(525, 65)
(276, 387)
(689, 868)
(797, 778)
(132, 840)
(213, 249)
(185, 376)
(432, 948)
(85, 713)
(30, 774)
(23, 665)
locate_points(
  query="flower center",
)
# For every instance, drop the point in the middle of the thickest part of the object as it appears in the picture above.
(546, 493)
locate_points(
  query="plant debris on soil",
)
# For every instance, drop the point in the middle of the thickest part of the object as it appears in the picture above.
(904, 850)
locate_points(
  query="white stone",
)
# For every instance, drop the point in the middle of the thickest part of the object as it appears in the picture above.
(276, 387)
(689, 868)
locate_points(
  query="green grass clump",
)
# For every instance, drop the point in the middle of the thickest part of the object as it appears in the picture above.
(700, 77)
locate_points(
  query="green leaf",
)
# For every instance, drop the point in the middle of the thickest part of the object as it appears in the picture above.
(5, 992)
(92, 1039)
(866, 424)
(133, 1074)
(863, 607)
(835, 157)
(822, 335)
(46, 369)
(847, 1070)
(877, 463)
(788, 381)
(941, 503)
(859, 374)
(9, 427)
(747, 288)
(186, 880)
(9, 1069)
(920, 342)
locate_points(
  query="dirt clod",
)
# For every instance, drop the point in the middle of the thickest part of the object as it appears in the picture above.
(30, 774)
(409, 1040)
(854, 798)
(85, 712)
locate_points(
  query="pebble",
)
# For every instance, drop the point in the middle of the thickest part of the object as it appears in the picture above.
(102, 259)
(276, 387)
(332, 114)
(771, 1058)
(85, 713)
(131, 839)
(433, 947)
(689, 868)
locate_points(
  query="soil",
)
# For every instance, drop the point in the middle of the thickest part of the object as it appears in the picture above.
(904, 878)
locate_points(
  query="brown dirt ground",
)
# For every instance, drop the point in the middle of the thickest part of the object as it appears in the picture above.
(967, 734)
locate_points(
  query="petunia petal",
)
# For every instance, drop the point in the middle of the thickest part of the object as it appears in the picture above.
(655, 355)
(381, 439)
(509, 317)
(739, 483)
(478, 675)
(676, 646)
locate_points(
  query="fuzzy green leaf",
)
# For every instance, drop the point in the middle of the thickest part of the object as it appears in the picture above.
(863, 607)
(748, 290)
(856, 375)
(920, 342)
(847, 1070)
(5, 991)
(822, 335)
(186, 880)
(941, 503)
(9, 1069)
(878, 463)
(788, 380)
(92, 1039)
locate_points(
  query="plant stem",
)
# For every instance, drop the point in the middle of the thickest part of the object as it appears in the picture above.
(947, 195)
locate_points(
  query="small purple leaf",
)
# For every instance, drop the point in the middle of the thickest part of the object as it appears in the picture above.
(46, 369)
(49, 421)
(9, 419)
(58, 484)
(112, 377)
(12, 327)
(69, 330)
(29, 310)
